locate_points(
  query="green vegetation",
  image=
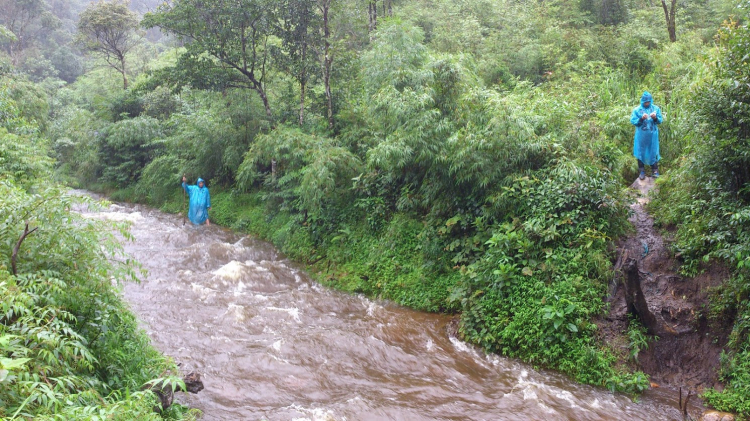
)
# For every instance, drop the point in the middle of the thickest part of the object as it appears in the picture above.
(69, 347)
(708, 199)
(466, 157)
(638, 338)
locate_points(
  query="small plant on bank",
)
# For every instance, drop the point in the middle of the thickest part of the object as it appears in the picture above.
(638, 338)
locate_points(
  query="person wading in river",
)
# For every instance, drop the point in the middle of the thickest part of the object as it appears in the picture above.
(646, 119)
(200, 201)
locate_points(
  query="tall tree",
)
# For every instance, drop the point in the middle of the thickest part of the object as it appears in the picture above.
(234, 32)
(297, 26)
(669, 14)
(19, 17)
(324, 6)
(109, 30)
(372, 11)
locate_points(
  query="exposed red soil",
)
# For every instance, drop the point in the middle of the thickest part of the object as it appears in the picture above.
(671, 307)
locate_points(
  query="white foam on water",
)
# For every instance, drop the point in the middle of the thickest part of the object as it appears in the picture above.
(237, 311)
(460, 345)
(280, 265)
(314, 414)
(232, 270)
(529, 389)
(529, 394)
(568, 397)
(294, 312)
(203, 291)
(372, 307)
(115, 216)
(297, 278)
(268, 330)
(277, 345)
(240, 287)
(494, 360)
(257, 266)
(430, 345)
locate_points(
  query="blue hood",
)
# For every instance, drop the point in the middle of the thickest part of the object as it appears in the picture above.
(200, 180)
(646, 97)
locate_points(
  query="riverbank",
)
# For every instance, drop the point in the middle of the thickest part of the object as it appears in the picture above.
(69, 346)
(272, 343)
(391, 261)
(694, 367)
(383, 263)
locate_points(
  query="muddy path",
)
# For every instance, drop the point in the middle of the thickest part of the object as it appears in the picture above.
(671, 306)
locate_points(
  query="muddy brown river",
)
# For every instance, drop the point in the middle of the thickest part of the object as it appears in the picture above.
(273, 344)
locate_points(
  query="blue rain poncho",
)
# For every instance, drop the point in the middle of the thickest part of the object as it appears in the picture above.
(646, 142)
(200, 202)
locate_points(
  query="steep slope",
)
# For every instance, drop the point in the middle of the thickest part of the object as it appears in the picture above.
(670, 306)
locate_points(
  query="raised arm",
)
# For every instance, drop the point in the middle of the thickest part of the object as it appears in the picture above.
(186, 186)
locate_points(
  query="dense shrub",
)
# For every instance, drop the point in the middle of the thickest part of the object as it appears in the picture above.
(69, 347)
(126, 147)
(708, 199)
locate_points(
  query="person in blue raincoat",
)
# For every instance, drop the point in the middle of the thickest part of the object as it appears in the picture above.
(200, 201)
(646, 119)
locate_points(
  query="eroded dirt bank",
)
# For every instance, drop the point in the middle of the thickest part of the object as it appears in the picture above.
(671, 306)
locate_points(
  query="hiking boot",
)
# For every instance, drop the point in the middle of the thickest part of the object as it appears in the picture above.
(642, 176)
(655, 174)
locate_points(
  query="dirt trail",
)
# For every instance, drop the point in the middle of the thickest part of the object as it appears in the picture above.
(671, 306)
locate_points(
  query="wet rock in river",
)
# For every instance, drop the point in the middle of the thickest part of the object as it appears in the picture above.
(716, 416)
(165, 393)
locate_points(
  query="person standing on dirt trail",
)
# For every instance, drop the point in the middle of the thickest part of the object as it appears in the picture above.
(200, 201)
(646, 119)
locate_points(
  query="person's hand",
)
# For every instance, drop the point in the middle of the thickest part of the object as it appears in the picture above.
(653, 115)
(184, 179)
(644, 116)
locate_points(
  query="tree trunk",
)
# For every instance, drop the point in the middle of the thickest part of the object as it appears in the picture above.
(124, 75)
(259, 89)
(669, 14)
(327, 60)
(373, 13)
(302, 87)
(388, 8)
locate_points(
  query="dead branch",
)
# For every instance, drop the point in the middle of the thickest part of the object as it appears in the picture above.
(14, 255)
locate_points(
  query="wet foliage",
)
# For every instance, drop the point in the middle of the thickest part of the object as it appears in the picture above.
(708, 201)
(465, 157)
(69, 347)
